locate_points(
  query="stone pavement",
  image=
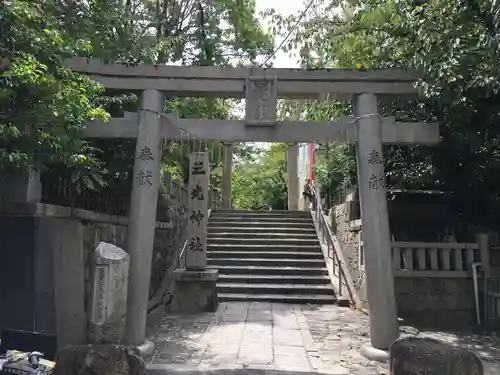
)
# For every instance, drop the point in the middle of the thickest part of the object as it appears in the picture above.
(269, 336)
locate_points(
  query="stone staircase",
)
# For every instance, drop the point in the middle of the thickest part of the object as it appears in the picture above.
(268, 256)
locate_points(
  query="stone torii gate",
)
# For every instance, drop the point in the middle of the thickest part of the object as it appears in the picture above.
(261, 88)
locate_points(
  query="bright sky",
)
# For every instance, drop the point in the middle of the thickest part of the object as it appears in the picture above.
(286, 8)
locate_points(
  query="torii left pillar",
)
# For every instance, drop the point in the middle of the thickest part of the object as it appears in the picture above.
(142, 218)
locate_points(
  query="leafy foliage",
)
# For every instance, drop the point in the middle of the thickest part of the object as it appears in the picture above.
(260, 179)
(189, 32)
(335, 169)
(56, 103)
(42, 105)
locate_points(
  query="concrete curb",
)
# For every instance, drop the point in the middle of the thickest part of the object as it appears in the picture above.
(167, 369)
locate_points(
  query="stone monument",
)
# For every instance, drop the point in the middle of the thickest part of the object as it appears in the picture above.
(195, 286)
(108, 306)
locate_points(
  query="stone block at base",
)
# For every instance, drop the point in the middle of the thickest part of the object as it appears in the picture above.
(99, 360)
(195, 291)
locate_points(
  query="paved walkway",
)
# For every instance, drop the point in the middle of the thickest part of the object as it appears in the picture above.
(323, 339)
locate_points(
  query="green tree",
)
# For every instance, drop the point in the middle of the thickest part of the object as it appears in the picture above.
(36, 37)
(172, 31)
(42, 105)
(454, 46)
(335, 170)
(260, 181)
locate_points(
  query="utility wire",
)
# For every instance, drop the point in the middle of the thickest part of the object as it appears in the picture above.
(289, 34)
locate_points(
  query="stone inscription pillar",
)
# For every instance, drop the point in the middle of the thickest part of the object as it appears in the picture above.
(292, 160)
(376, 235)
(196, 286)
(227, 176)
(142, 218)
(199, 180)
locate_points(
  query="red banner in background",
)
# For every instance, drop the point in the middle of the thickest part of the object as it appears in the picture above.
(312, 148)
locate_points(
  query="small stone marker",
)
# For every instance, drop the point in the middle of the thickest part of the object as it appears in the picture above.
(108, 303)
(422, 356)
(199, 179)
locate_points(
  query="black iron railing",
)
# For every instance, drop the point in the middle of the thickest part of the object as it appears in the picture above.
(342, 276)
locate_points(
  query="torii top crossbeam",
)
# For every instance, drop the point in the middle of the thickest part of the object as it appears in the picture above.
(230, 82)
(261, 88)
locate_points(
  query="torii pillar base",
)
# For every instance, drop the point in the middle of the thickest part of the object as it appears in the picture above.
(374, 354)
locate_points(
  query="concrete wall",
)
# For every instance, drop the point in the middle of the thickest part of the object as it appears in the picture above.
(17, 272)
(44, 266)
(442, 301)
(41, 276)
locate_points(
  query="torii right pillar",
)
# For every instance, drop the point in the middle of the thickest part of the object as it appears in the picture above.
(292, 161)
(384, 327)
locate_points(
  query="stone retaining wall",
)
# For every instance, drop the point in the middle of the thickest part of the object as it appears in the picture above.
(349, 235)
(57, 243)
(113, 229)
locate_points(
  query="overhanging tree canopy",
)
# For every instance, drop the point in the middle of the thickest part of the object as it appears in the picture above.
(35, 36)
(455, 46)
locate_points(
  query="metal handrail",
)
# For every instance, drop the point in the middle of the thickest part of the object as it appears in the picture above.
(181, 255)
(334, 252)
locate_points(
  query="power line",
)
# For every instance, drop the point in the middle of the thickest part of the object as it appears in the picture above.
(289, 34)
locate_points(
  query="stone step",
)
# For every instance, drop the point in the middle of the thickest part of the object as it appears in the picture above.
(264, 229)
(274, 279)
(307, 225)
(278, 298)
(268, 256)
(263, 219)
(265, 254)
(268, 270)
(260, 217)
(263, 241)
(319, 263)
(262, 247)
(288, 289)
(262, 235)
(261, 213)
